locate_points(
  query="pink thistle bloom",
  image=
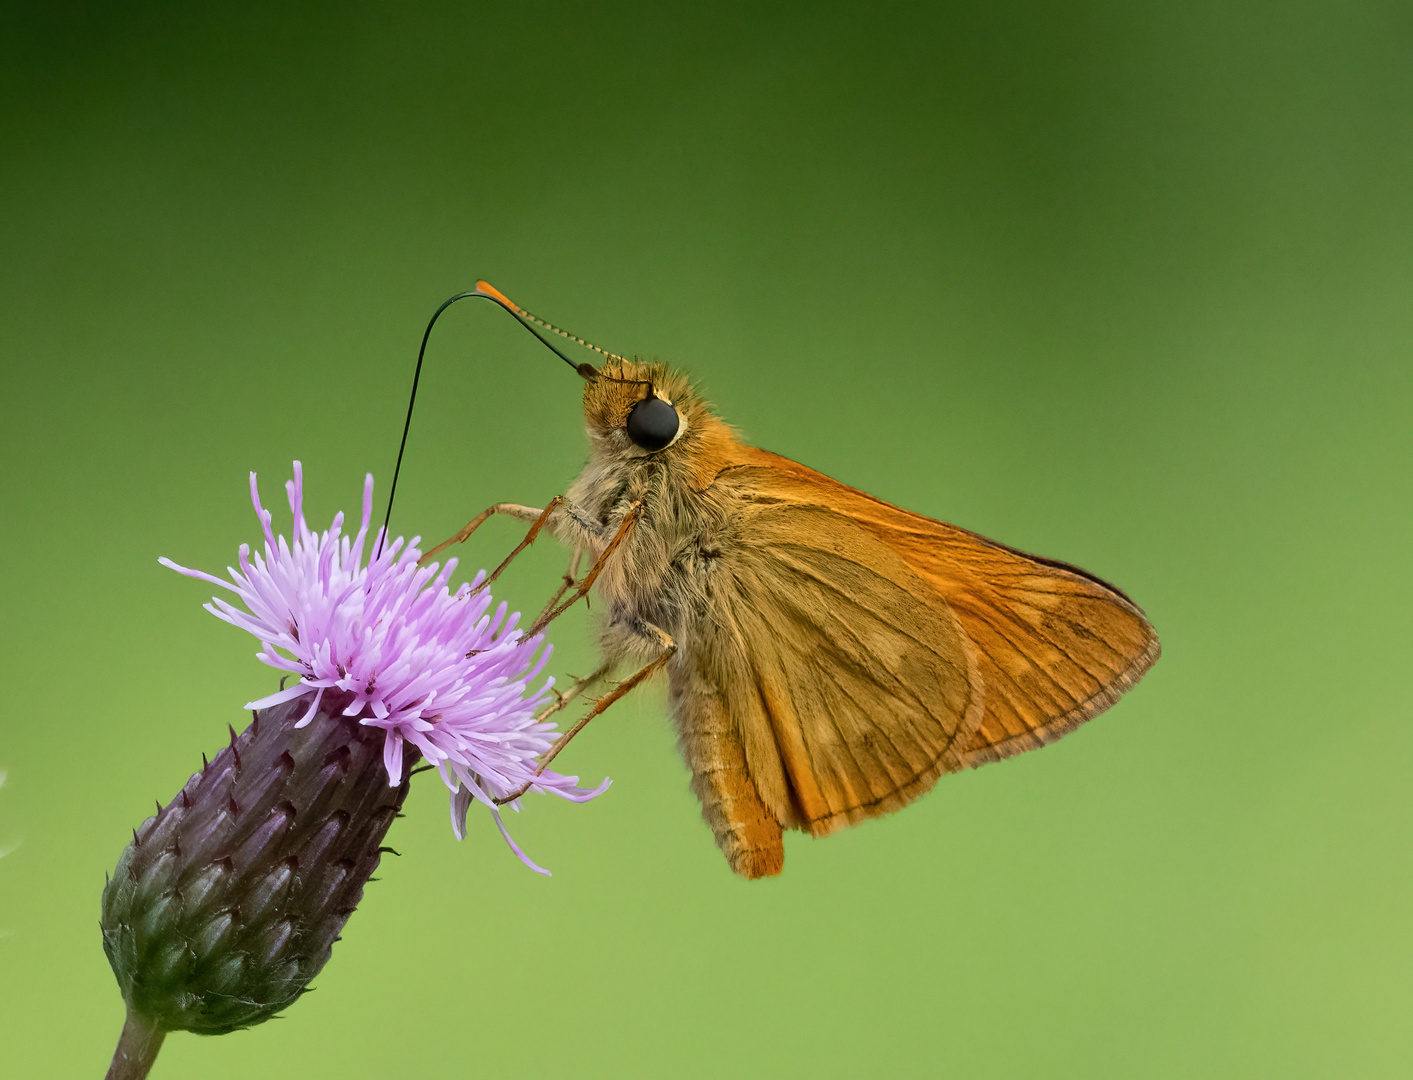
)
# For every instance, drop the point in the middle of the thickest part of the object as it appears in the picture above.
(432, 668)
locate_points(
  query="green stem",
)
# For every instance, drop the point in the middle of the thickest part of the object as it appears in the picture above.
(137, 1048)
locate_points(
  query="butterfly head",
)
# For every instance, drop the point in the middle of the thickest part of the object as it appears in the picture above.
(637, 408)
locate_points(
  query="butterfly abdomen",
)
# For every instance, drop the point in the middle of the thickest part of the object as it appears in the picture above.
(746, 831)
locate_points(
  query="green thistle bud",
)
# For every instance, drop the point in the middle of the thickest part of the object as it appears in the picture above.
(228, 902)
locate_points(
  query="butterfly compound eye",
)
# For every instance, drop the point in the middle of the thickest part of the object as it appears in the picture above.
(653, 423)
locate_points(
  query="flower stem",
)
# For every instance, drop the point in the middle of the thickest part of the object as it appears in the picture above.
(137, 1048)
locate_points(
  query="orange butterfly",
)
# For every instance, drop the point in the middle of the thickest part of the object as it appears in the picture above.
(828, 655)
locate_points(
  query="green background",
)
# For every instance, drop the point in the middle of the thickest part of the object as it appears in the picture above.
(1125, 284)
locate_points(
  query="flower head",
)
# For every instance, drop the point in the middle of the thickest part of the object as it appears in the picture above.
(399, 651)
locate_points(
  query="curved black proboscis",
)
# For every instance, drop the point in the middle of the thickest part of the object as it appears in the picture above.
(417, 375)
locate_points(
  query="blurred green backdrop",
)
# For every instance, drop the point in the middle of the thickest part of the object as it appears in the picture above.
(1125, 284)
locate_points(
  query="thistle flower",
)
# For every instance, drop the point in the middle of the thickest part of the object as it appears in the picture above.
(228, 901)
(430, 668)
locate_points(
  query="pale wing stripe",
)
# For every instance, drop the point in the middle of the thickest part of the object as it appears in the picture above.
(980, 614)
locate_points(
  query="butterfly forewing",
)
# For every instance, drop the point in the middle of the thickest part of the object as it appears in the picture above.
(1054, 646)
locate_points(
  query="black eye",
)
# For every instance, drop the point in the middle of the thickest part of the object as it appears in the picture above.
(653, 423)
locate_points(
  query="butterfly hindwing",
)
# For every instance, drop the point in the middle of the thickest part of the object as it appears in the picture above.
(858, 690)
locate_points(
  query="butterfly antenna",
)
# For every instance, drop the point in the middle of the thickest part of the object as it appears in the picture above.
(588, 371)
(491, 292)
(482, 291)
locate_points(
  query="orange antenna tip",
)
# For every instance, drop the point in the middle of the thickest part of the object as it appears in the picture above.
(490, 292)
(485, 288)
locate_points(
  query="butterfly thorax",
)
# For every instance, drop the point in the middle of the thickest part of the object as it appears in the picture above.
(661, 572)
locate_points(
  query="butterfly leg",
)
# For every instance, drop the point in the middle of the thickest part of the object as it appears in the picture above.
(646, 629)
(515, 510)
(582, 588)
(577, 687)
(569, 581)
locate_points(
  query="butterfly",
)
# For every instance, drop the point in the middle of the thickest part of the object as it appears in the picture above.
(828, 655)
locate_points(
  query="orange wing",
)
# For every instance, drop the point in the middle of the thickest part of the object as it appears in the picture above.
(1054, 644)
(851, 688)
